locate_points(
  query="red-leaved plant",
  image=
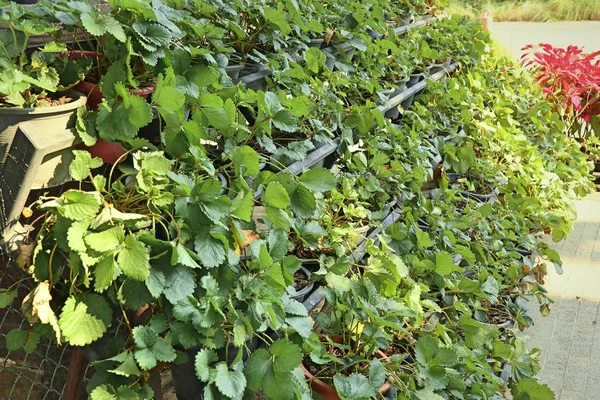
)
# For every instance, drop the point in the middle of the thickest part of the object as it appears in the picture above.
(570, 79)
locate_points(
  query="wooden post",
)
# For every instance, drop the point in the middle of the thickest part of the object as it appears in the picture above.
(75, 377)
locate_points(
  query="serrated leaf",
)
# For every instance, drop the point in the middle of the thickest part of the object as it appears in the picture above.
(354, 386)
(128, 367)
(15, 339)
(104, 273)
(231, 383)
(7, 297)
(218, 117)
(168, 98)
(318, 179)
(204, 359)
(286, 356)
(276, 195)
(245, 161)
(84, 319)
(150, 348)
(242, 206)
(377, 373)
(182, 255)
(82, 165)
(180, 283)
(303, 201)
(285, 121)
(278, 218)
(133, 259)
(107, 240)
(80, 205)
(211, 250)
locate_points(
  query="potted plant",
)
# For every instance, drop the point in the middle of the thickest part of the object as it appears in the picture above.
(345, 353)
(35, 88)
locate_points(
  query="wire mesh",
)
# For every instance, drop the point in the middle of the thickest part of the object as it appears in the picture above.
(39, 375)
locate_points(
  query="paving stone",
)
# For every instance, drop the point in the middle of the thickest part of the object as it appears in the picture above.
(592, 387)
(571, 395)
(575, 373)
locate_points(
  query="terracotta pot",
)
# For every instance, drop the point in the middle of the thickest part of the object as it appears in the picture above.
(328, 391)
(109, 152)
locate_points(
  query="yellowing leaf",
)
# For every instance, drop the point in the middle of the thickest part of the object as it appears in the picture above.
(27, 212)
(25, 258)
(36, 307)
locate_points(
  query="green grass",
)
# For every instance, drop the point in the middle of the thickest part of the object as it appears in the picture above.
(530, 10)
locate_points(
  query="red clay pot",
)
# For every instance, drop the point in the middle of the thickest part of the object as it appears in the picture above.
(328, 391)
(109, 152)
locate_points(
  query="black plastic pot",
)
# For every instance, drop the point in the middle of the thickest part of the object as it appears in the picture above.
(316, 43)
(303, 293)
(234, 70)
(315, 157)
(256, 79)
(394, 112)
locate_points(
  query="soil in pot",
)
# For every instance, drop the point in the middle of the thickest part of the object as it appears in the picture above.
(302, 284)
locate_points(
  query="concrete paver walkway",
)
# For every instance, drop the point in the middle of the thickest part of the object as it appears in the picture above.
(570, 336)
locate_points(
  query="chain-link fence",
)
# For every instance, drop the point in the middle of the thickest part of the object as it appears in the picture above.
(39, 375)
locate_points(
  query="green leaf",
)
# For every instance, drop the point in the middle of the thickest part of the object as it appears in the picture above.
(133, 259)
(314, 59)
(218, 117)
(444, 263)
(278, 218)
(354, 386)
(168, 98)
(303, 202)
(242, 206)
(104, 273)
(93, 24)
(128, 367)
(182, 255)
(423, 238)
(528, 389)
(476, 333)
(150, 348)
(377, 373)
(245, 161)
(204, 359)
(276, 195)
(285, 121)
(80, 205)
(318, 179)
(211, 250)
(84, 319)
(15, 339)
(180, 283)
(271, 370)
(82, 164)
(239, 334)
(7, 297)
(107, 240)
(286, 356)
(230, 383)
